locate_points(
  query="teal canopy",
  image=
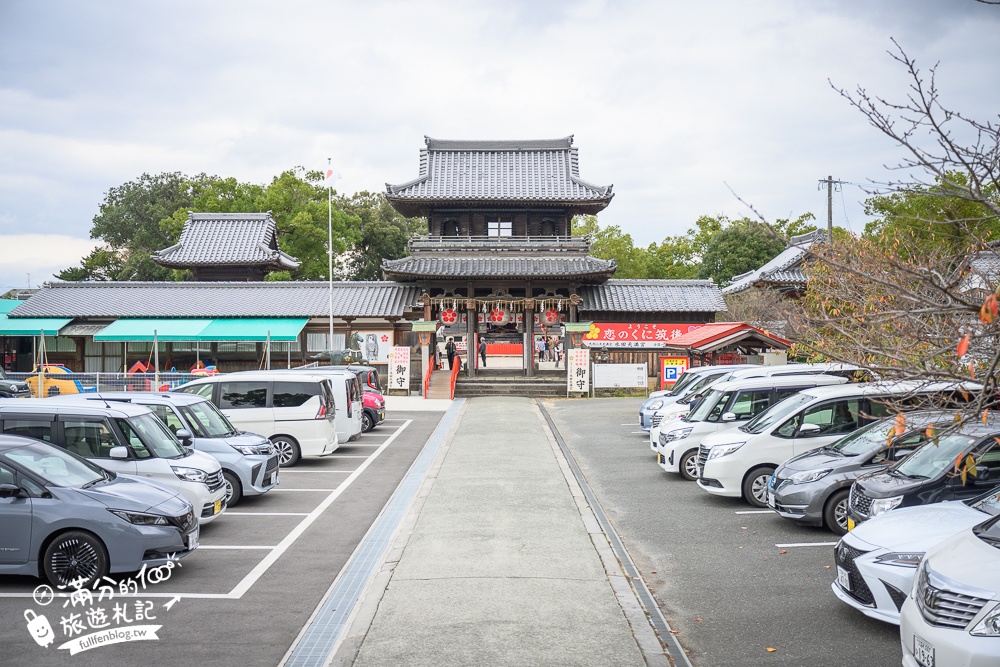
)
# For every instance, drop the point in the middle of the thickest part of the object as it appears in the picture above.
(225, 329)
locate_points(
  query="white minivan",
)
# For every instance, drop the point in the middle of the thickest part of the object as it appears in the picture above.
(725, 406)
(348, 396)
(740, 462)
(123, 438)
(295, 413)
(664, 418)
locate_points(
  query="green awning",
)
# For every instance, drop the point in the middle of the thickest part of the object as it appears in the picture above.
(7, 305)
(225, 329)
(165, 330)
(280, 329)
(31, 326)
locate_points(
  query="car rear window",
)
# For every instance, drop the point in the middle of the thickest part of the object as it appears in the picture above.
(29, 428)
(294, 394)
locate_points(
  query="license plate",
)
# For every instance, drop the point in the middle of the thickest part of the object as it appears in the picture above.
(770, 500)
(191, 539)
(850, 523)
(218, 507)
(843, 578)
(272, 478)
(923, 652)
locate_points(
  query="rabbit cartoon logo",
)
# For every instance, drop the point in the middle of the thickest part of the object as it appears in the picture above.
(39, 628)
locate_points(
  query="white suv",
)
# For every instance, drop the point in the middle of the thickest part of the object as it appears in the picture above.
(726, 405)
(739, 462)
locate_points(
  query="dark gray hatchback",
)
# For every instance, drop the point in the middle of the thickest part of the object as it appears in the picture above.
(812, 489)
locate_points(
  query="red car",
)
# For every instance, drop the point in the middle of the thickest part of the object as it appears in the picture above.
(374, 401)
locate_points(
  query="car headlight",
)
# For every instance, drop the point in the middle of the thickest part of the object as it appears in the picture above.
(655, 405)
(676, 434)
(246, 450)
(807, 476)
(141, 518)
(989, 626)
(901, 558)
(723, 450)
(190, 474)
(883, 505)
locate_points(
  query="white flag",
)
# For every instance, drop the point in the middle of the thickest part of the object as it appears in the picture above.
(329, 177)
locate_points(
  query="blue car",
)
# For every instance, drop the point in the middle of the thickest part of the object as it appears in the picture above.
(69, 520)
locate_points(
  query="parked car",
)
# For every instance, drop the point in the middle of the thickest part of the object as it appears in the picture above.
(726, 405)
(122, 438)
(372, 404)
(877, 561)
(657, 399)
(812, 488)
(13, 388)
(668, 414)
(68, 519)
(295, 414)
(931, 473)
(952, 615)
(249, 461)
(739, 463)
(369, 374)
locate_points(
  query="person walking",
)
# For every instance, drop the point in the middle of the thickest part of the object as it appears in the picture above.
(449, 349)
(540, 347)
(482, 350)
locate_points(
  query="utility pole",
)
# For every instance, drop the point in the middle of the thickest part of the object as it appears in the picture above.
(829, 203)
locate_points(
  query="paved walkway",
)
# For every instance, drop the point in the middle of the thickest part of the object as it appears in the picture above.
(500, 561)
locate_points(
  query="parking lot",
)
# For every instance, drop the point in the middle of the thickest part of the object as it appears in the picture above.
(733, 581)
(259, 573)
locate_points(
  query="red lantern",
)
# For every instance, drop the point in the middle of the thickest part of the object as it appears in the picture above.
(550, 317)
(499, 316)
(448, 316)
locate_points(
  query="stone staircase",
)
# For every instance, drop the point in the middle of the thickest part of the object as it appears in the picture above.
(440, 386)
(513, 383)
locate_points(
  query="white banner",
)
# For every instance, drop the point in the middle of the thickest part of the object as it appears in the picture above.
(399, 368)
(578, 370)
(376, 346)
(127, 633)
(613, 376)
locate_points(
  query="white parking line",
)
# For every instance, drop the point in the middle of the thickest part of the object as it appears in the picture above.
(231, 513)
(350, 456)
(634, 432)
(357, 444)
(806, 544)
(754, 512)
(237, 547)
(629, 424)
(314, 472)
(302, 490)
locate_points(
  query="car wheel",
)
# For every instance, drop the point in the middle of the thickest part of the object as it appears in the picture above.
(75, 556)
(367, 423)
(288, 450)
(755, 486)
(234, 490)
(688, 465)
(835, 512)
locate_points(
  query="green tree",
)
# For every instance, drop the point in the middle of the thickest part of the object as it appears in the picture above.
(742, 246)
(383, 233)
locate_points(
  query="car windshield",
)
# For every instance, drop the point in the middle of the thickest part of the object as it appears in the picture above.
(206, 421)
(704, 410)
(989, 532)
(934, 457)
(776, 413)
(990, 504)
(3, 376)
(150, 437)
(865, 439)
(57, 467)
(686, 379)
(695, 388)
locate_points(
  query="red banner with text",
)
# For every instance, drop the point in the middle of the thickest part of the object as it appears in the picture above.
(634, 334)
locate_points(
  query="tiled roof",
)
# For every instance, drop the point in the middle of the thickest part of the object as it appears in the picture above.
(653, 296)
(227, 239)
(506, 266)
(723, 333)
(219, 299)
(785, 269)
(540, 171)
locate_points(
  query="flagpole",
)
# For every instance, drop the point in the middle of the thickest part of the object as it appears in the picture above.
(329, 232)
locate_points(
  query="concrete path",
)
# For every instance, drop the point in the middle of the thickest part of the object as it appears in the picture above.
(500, 562)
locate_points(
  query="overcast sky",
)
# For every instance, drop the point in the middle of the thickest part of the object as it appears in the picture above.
(669, 101)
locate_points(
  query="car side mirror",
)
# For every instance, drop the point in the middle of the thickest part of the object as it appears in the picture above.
(9, 491)
(728, 416)
(983, 474)
(184, 436)
(900, 454)
(809, 429)
(118, 452)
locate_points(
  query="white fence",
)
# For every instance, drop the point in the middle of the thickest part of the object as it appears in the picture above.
(53, 384)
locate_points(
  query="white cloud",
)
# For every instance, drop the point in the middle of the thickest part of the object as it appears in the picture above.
(31, 259)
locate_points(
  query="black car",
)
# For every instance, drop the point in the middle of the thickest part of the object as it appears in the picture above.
(938, 470)
(13, 388)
